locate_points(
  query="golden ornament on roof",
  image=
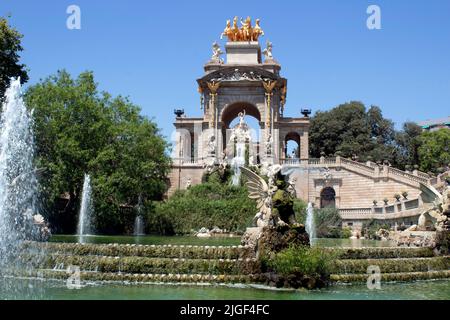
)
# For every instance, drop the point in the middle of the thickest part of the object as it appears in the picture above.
(246, 32)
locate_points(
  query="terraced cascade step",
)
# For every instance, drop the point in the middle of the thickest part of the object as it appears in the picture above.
(392, 269)
(146, 265)
(382, 252)
(218, 264)
(156, 251)
(397, 265)
(399, 276)
(191, 278)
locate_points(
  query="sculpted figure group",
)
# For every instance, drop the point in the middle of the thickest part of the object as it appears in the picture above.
(246, 32)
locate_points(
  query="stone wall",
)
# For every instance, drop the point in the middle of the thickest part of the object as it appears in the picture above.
(354, 190)
(181, 176)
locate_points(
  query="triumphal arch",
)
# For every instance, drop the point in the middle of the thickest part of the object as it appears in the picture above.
(248, 81)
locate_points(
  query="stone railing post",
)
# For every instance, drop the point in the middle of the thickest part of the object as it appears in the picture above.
(385, 171)
(338, 160)
(322, 160)
(377, 172)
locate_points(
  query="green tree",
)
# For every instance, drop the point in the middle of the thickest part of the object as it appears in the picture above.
(10, 47)
(79, 130)
(408, 142)
(349, 130)
(434, 152)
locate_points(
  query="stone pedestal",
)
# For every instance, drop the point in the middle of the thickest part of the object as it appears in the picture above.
(243, 53)
(272, 239)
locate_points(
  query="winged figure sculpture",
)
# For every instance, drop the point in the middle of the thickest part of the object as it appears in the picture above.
(262, 193)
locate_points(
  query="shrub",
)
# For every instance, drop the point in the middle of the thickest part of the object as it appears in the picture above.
(328, 223)
(205, 205)
(302, 266)
(346, 233)
(300, 210)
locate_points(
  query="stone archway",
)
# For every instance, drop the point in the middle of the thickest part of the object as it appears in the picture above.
(230, 112)
(295, 137)
(328, 198)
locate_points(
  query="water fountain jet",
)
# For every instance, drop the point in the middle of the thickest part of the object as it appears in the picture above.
(19, 219)
(310, 224)
(84, 218)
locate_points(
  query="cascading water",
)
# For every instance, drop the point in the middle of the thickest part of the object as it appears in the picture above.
(310, 225)
(237, 162)
(84, 218)
(240, 139)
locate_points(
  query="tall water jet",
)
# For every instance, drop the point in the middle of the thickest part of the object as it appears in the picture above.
(138, 226)
(84, 218)
(18, 183)
(139, 221)
(310, 225)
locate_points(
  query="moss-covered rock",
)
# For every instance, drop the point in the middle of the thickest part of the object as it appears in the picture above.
(275, 239)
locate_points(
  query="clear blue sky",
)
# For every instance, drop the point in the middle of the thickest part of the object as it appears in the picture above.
(152, 51)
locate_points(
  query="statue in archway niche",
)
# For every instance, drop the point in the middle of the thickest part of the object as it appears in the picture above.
(241, 118)
(212, 145)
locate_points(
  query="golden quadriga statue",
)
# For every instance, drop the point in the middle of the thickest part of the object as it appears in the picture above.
(246, 32)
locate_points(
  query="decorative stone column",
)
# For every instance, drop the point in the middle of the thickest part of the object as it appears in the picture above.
(213, 87)
(268, 87)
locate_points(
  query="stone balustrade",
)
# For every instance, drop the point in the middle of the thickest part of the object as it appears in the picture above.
(401, 208)
(369, 168)
(406, 175)
(187, 162)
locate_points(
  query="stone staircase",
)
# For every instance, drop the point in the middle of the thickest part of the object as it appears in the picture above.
(396, 264)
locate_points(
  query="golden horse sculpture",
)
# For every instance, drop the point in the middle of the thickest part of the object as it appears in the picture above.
(246, 33)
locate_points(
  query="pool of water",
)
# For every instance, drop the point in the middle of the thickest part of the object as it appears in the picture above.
(57, 290)
(151, 239)
(352, 243)
(212, 241)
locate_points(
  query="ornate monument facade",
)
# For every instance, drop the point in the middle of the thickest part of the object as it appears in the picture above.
(249, 82)
(244, 83)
